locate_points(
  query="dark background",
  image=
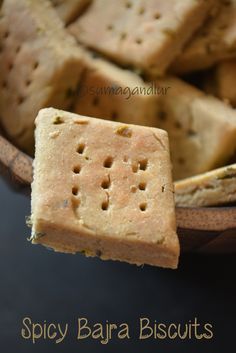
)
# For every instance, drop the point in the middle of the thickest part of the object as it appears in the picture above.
(44, 285)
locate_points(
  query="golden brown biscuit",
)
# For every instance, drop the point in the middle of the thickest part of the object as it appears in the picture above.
(40, 66)
(110, 92)
(216, 187)
(201, 128)
(216, 41)
(103, 188)
(145, 34)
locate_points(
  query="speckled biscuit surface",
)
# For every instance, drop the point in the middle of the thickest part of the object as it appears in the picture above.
(103, 188)
(68, 10)
(216, 187)
(110, 92)
(144, 34)
(40, 66)
(214, 42)
(201, 128)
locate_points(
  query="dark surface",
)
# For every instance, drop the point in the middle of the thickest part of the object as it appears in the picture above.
(44, 285)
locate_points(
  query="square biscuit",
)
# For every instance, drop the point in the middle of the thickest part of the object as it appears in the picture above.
(40, 66)
(216, 187)
(201, 128)
(176, 111)
(147, 35)
(103, 188)
(69, 10)
(215, 41)
(110, 92)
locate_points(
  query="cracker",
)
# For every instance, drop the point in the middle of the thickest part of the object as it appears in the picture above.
(98, 189)
(109, 92)
(201, 128)
(216, 41)
(40, 66)
(184, 111)
(69, 10)
(144, 34)
(209, 189)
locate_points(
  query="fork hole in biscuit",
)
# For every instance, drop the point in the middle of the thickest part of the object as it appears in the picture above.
(77, 169)
(157, 16)
(18, 49)
(95, 101)
(55, 3)
(143, 206)
(123, 36)
(20, 100)
(28, 82)
(143, 164)
(139, 41)
(106, 184)
(191, 133)
(4, 84)
(128, 4)
(108, 162)
(178, 125)
(105, 205)
(142, 186)
(141, 11)
(81, 148)
(181, 160)
(36, 64)
(6, 34)
(110, 27)
(10, 66)
(162, 115)
(75, 190)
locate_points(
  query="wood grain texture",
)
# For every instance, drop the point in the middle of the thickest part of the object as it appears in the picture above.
(205, 230)
(15, 166)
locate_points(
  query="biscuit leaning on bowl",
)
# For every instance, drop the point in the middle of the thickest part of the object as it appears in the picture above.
(40, 66)
(104, 189)
(110, 92)
(216, 187)
(215, 41)
(69, 10)
(201, 128)
(144, 34)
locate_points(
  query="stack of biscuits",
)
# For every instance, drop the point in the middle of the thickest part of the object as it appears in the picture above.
(149, 90)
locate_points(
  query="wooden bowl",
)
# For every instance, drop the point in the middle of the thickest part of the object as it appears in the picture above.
(208, 230)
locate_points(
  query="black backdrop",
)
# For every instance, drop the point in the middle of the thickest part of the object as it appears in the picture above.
(44, 285)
